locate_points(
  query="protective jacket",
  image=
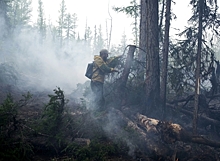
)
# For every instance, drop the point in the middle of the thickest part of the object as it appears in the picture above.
(101, 67)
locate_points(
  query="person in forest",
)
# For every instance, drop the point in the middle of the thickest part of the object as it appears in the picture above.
(102, 66)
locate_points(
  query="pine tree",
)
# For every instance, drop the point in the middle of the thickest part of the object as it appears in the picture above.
(4, 7)
(123, 41)
(41, 21)
(70, 26)
(95, 49)
(88, 36)
(75, 19)
(133, 11)
(19, 13)
(100, 39)
(62, 15)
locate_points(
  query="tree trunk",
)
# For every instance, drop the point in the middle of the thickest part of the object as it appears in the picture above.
(152, 57)
(125, 73)
(198, 66)
(142, 42)
(165, 56)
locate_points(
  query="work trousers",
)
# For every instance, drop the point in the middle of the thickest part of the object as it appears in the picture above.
(98, 99)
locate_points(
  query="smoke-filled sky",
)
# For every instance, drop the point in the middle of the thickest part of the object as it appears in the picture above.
(97, 12)
(94, 12)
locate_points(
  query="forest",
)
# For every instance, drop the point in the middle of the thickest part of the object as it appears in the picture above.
(162, 105)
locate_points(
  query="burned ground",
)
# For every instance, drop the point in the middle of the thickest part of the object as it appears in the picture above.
(119, 133)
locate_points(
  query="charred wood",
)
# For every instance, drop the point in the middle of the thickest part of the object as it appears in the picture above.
(147, 142)
(170, 132)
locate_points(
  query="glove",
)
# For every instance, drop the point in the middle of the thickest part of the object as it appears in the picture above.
(114, 70)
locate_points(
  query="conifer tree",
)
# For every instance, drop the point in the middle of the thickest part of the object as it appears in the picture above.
(133, 11)
(69, 27)
(100, 39)
(123, 41)
(19, 13)
(88, 35)
(41, 21)
(4, 7)
(62, 15)
(75, 19)
(95, 49)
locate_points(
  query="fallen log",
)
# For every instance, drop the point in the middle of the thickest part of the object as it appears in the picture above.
(146, 142)
(170, 132)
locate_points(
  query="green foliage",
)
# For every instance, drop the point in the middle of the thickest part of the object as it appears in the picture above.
(183, 54)
(13, 142)
(182, 63)
(55, 121)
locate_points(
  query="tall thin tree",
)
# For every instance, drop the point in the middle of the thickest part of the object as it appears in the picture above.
(165, 55)
(198, 67)
(62, 12)
(41, 21)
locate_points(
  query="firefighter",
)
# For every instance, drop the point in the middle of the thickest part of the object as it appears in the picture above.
(102, 66)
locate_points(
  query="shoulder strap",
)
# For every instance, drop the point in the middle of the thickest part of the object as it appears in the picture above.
(95, 69)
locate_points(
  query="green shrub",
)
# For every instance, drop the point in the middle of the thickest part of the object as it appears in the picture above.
(14, 144)
(55, 122)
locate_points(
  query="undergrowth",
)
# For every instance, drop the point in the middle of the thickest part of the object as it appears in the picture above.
(53, 133)
(14, 143)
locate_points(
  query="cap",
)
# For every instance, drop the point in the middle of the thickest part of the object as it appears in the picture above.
(104, 51)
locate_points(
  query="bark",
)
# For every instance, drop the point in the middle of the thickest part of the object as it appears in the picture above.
(142, 37)
(165, 56)
(152, 57)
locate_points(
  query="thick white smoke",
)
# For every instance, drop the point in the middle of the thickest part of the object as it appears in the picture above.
(42, 64)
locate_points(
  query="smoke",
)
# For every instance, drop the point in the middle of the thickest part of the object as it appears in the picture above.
(117, 128)
(2, 26)
(41, 64)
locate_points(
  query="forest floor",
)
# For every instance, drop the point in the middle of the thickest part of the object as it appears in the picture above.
(180, 149)
(33, 111)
